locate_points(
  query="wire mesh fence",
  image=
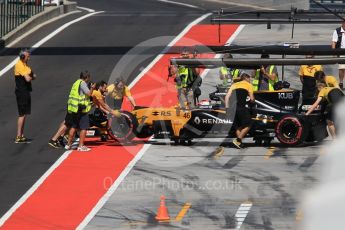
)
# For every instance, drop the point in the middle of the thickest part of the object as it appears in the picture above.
(15, 12)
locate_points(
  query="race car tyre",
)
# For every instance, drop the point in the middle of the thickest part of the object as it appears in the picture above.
(291, 131)
(124, 128)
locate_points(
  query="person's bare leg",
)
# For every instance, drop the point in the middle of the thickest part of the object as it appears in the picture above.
(82, 136)
(243, 132)
(62, 129)
(238, 132)
(331, 129)
(71, 135)
(20, 126)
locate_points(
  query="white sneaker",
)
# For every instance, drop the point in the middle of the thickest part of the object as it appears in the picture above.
(83, 149)
(67, 147)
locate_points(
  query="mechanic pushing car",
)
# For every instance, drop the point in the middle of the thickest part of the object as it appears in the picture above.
(329, 81)
(101, 107)
(331, 96)
(239, 92)
(265, 77)
(118, 91)
(79, 105)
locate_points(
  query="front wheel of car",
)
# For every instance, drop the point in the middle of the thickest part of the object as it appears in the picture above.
(291, 131)
(124, 127)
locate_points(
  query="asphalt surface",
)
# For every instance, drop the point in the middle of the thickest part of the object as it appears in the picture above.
(121, 27)
(271, 179)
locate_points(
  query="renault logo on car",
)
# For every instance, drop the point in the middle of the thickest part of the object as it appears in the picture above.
(197, 120)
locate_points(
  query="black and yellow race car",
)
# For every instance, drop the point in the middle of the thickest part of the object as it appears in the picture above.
(276, 114)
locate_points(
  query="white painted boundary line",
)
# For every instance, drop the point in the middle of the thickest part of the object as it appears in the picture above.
(154, 61)
(48, 37)
(87, 9)
(9, 213)
(39, 26)
(113, 187)
(179, 4)
(242, 213)
(228, 43)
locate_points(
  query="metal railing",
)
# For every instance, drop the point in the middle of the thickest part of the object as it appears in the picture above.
(15, 12)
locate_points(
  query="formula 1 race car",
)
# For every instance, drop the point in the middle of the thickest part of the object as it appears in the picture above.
(276, 115)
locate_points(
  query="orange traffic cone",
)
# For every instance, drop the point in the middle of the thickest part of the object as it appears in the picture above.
(162, 213)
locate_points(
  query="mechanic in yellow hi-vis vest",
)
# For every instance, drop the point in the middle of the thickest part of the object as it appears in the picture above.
(78, 106)
(228, 75)
(185, 83)
(265, 77)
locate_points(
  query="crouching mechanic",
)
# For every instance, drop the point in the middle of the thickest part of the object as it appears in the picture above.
(99, 102)
(238, 93)
(332, 96)
(329, 80)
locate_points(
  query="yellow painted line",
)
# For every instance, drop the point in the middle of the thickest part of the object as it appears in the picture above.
(269, 153)
(183, 211)
(218, 153)
(299, 215)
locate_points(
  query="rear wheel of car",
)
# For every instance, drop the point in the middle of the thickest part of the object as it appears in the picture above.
(291, 131)
(124, 128)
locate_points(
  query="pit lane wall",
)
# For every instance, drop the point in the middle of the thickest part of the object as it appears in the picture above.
(48, 13)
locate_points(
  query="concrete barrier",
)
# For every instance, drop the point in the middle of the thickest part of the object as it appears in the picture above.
(48, 13)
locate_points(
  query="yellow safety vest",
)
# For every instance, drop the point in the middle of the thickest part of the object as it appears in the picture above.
(270, 82)
(75, 99)
(235, 73)
(183, 82)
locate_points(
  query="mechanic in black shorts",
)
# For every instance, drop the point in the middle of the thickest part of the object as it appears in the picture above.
(57, 140)
(331, 96)
(239, 92)
(23, 77)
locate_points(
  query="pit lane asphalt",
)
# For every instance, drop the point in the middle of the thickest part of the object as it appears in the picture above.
(124, 24)
(272, 178)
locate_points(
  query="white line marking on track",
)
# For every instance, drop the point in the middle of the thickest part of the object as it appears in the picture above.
(45, 39)
(39, 26)
(242, 213)
(180, 4)
(87, 9)
(113, 187)
(33, 188)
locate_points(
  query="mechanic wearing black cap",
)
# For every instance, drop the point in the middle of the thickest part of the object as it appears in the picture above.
(329, 80)
(242, 120)
(23, 77)
(332, 96)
